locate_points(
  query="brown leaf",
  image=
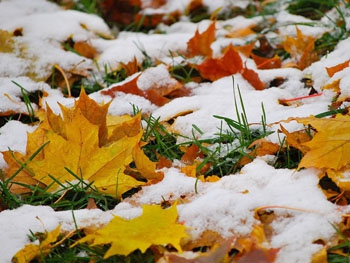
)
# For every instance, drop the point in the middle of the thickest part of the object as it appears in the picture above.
(122, 12)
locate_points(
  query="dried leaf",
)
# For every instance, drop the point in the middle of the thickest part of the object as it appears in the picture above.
(330, 145)
(297, 139)
(213, 69)
(255, 248)
(199, 44)
(80, 143)
(36, 251)
(301, 48)
(267, 63)
(253, 78)
(240, 33)
(156, 226)
(246, 50)
(159, 93)
(7, 42)
(85, 49)
(120, 11)
(332, 70)
(131, 67)
(218, 253)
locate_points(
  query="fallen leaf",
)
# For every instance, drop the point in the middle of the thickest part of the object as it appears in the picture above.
(156, 226)
(267, 63)
(7, 42)
(159, 92)
(122, 12)
(301, 48)
(332, 70)
(259, 147)
(80, 143)
(330, 144)
(200, 43)
(230, 63)
(241, 32)
(255, 248)
(131, 67)
(85, 49)
(246, 50)
(297, 139)
(253, 78)
(36, 251)
(218, 253)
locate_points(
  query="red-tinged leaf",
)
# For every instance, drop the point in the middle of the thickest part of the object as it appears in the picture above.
(253, 78)
(199, 45)
(332, 70)
(230, 63)
(158, 94)
(128, 87)
(267, 63)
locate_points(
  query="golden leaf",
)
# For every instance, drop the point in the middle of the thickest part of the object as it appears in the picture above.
(79, 145)
(32, 251)
(156, 226)
(330, 146)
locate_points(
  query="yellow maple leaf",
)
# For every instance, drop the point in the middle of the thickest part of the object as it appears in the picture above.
(156, 226)
(32, 251)
(330, 146)
(79, 145)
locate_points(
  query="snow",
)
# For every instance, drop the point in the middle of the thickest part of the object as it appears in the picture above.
(226, 206)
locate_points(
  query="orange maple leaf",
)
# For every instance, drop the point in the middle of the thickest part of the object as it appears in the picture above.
(156, 226)
(213, 69)
(199, 44)
(301, 48)
(230, 63)
(332, 70)
(267, 63)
